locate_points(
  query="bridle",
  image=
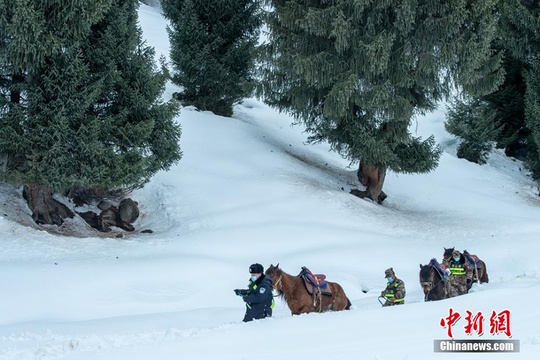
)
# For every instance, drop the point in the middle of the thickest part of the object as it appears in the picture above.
(279, 281)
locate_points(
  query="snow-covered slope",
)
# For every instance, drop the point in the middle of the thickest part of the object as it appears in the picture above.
(249, 190)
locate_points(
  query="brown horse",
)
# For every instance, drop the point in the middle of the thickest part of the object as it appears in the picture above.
(299, 300)
(480, 274)
(433, 283)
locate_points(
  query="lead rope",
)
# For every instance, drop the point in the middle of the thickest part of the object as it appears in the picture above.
(433, 288)
(278, 281)
(276, 284)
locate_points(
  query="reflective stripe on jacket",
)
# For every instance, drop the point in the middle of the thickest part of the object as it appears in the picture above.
(456, 268)
(390, 290)
(259, 300)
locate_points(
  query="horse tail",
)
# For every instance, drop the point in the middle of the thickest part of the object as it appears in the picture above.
(348, 307)
(485, 277)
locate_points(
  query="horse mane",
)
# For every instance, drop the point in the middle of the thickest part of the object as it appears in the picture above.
(283, 294)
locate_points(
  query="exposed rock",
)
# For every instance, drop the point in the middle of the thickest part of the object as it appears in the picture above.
(112, 216)
(104, 205)
(109, 217)
(93, 219)
(45, 209)
(129, 210)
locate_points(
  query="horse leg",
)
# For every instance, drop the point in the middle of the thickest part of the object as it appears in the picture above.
(476, 274)
(317, 296)
(448, 289)
(340, 301)
(484, 278)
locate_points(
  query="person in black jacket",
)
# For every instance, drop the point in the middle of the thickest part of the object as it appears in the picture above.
(258, 296)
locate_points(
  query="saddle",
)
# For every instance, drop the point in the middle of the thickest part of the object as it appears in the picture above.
(315, 283)
(441, 269)
(473, 259)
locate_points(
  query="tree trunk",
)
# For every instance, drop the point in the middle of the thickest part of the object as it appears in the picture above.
(15, 96)
(372, 177)
(45, 209)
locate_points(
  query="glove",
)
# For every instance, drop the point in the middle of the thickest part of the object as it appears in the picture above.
(447, 272)
(240, 292)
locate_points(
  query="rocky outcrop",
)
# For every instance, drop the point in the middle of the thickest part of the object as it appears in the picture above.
(121, 216)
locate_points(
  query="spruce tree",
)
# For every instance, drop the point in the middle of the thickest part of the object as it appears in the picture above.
(81, 110)
(32, 35)
(513, 101)
(520, 24)
(357, 72)
(213, 46)
(474, 122)
(532, 117)
(508, 102)
(131, 132)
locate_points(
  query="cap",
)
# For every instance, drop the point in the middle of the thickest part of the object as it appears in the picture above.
(388, 272)
(456, 253)
(256, 269)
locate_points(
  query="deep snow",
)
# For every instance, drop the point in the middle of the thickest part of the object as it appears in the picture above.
(249, 189)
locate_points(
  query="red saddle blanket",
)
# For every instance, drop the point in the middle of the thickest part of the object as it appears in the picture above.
(473, 259)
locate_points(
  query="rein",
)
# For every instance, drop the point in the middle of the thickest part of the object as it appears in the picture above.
(279, 281)
(276, 285)
(432, 288)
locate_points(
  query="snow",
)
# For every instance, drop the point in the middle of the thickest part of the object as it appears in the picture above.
(248, 189)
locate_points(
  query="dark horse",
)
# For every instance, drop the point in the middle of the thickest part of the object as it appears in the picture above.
(293, 290)
(480, 274)
(433, 283)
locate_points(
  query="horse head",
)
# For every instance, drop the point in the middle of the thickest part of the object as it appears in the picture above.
(275, 274)
(448, 253)
(426, 278)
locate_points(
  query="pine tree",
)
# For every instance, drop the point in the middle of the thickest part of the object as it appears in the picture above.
(30, 31)
(508, 101)
(520, 21)
(513, 101)
(131, 133)
(213, 46)
(357, 72)
(32, 35)
(474, 123)
(82, 110)
(532, 117)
